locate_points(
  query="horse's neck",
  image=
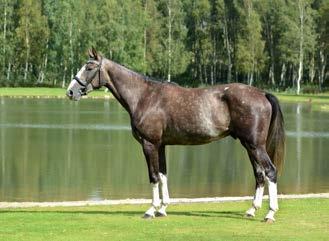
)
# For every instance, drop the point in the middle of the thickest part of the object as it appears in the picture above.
(128, 87)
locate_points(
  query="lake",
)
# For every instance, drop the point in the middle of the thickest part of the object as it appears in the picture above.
(56, 150)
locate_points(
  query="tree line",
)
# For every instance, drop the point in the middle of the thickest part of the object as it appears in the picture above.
(278, 44)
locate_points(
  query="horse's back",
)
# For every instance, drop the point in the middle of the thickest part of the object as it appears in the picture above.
(194, 115)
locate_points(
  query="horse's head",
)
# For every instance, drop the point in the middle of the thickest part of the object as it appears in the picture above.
(89, 77)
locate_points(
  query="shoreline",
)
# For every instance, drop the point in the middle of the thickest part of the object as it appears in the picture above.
(59, 93)
(12, 205)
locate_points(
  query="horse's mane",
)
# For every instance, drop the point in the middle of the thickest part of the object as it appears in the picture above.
(142, 76)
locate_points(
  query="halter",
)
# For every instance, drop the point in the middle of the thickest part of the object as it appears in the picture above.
(84, 84)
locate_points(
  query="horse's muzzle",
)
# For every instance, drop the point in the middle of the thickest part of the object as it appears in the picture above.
(69, 94)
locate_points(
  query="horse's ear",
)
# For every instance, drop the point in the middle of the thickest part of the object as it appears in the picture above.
(90, 53)
(95, 54)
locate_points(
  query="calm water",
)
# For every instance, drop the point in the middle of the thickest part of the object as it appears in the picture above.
(52, 150)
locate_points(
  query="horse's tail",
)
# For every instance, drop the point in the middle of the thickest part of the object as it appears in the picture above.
(275, 144)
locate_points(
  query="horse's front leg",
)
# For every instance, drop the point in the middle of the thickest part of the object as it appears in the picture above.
(151, 152)
(164, 183)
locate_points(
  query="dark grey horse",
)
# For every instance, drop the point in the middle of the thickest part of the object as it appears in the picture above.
(165, 114)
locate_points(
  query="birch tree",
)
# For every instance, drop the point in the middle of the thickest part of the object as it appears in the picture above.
(7, 39)
(224, 41)
(32, 33)
(323, 41)
(250, 53)
(301, 10)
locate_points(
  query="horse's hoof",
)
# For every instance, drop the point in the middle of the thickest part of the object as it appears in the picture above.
(147, 216)
(268, 220)
(248, 215)
(160, 215)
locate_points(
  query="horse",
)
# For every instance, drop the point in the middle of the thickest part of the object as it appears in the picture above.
(164, 114)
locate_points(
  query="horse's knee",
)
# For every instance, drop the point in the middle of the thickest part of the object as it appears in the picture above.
(154, 178)
(271, 174)
(260, 179)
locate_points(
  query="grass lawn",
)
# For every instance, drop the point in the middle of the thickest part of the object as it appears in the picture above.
(303, 219)
(315, 99)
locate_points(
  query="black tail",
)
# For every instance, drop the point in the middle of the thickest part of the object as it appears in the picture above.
(275, 144)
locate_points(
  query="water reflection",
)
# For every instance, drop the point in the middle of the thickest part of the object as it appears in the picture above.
(62, 150)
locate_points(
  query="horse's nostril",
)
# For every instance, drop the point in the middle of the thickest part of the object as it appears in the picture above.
(69, 93)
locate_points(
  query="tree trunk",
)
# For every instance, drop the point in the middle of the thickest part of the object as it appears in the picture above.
(64, 76)
(27, 57)
(283, 75)
(312, 69)
(200, 72)
(212, 74)
(4, 36)
(269, 36)
(71, 48)
(322, 68)
(228, 49)
(44, 65)
(8, 71)
(169, 40)
(301, 7)
(271, 73)
(214, 62)
(145, 39)
(205, 73)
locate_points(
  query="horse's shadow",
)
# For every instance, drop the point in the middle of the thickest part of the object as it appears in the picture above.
(214, 214)
(202, 214)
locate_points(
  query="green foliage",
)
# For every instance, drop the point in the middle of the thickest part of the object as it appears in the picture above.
(250, 54)
(192, 42)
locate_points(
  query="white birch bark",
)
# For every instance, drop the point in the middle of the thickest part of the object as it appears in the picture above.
(228, 49)
(283, 74)
(145, 40)
(322, 68)
(169, 39)
(27, 43)
(4, 34)
(301, 7)
(312, 69)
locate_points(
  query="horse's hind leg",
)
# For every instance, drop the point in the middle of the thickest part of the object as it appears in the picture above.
(163, 182)
(260, 155)
(260, 183)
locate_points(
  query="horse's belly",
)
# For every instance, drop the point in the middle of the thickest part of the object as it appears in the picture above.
(192, 137)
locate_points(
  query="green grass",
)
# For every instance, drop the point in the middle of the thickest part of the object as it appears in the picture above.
(46, 92)
(309, 98)
(306, 219)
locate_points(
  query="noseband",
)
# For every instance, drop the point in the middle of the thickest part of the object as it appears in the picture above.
(84, 84)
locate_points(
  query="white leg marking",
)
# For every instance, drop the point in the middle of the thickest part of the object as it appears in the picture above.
(155, 195)
(257, 203)
(151, 212)
(155, 200)
(258, 199)
(162, 210)
(273, 195)
(165, 194)
(270, 215)
(164, 189)
(251, 212)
